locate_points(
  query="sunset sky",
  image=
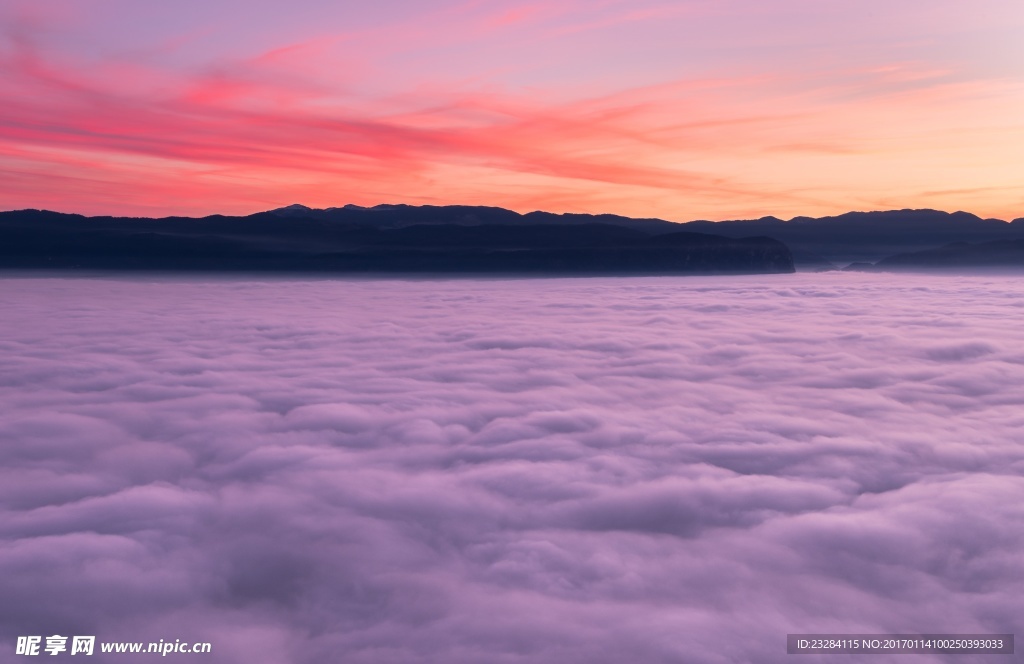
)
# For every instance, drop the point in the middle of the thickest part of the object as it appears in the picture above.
(681, 110)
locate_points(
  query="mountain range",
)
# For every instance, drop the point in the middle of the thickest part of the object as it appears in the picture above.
(479, 239)
(283, 241)
(815, 241)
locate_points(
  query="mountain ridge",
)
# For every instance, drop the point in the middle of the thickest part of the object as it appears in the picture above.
(284, 243)
(814, 242)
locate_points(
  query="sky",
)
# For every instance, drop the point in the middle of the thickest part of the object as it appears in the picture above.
(691, 109)
(563, 471)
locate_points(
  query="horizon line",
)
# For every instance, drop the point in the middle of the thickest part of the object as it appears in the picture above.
(352, 206)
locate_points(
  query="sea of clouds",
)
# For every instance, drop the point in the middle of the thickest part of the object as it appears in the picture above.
(494, 471)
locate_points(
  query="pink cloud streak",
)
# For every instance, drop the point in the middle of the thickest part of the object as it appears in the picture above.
(313, 120)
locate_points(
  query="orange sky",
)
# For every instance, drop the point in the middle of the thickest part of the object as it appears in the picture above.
(680, 110)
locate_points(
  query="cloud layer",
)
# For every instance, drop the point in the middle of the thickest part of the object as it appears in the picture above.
(572, 470)
(682, 109)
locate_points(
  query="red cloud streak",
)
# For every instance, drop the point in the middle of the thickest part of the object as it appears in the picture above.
(110, 136)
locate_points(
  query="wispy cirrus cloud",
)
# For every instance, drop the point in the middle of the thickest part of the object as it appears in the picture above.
(447, 104)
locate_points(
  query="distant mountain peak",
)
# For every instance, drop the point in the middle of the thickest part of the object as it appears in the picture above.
(293, 210)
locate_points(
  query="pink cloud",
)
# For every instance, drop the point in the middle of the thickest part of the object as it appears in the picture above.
(371, 114)
(565, 470)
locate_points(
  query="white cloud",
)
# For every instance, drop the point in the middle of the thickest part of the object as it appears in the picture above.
(572, 470)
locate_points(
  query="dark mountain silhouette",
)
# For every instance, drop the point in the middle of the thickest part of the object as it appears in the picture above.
(397, 216)
(480, 239)
(869, 236)
(411, 240)
(816, 243)
(998, 255)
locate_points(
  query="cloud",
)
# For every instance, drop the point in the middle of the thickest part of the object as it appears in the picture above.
(251, 120)
(683, 111)
(571, 470)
